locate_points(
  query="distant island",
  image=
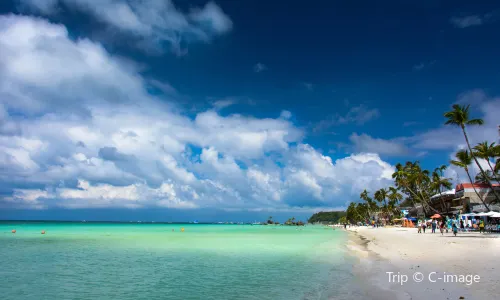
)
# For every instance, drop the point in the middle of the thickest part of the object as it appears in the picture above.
(327, 217)
(289, 222)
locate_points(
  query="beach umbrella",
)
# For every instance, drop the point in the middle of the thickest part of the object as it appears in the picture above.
(495, 215)
(436, 216)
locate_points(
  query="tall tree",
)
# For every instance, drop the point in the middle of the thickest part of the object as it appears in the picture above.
(370, 204)
(439, 182)
(381, 197)
(463, 161)
(459, 116)
(394, 198)
(401, 179)
(487, 151)
(481, 179)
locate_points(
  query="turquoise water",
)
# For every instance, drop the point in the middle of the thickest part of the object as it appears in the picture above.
(150, 261)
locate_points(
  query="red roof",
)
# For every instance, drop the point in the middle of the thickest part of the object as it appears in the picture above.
(462, 186)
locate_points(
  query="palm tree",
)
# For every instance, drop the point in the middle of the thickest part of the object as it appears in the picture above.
(394, 198)
(394, 195)
(381, 197)
(416, 182)
(371, 206)
(459, 116)
(481, 179)
(438, 182)
(463, 161)
(486, 151)
(401, 180)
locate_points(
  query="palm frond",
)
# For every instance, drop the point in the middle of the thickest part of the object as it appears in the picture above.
(475, 122)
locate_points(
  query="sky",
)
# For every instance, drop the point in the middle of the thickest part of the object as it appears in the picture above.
(176, 110)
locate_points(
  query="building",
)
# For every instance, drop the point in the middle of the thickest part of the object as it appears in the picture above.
(470, 200)
(464, 199)
(444, 202)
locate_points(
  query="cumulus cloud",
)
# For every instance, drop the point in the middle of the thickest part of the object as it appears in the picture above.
(153, 21)
(88, 134)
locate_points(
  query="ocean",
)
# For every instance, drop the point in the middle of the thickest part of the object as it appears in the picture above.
(159, 261)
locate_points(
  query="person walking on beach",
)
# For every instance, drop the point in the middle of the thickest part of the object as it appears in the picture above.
(455, 229)
(481, 226)
(441, 227)
(433, 226)
(419, 227)
(424, 225)
(462, 227)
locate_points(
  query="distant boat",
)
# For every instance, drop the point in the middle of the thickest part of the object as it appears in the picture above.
(195, 222)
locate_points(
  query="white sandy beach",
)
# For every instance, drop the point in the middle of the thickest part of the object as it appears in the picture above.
(403, 250)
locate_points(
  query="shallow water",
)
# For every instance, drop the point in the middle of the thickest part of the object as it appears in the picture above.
(150, 261)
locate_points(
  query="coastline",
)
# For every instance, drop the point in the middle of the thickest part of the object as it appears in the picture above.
(437, 258)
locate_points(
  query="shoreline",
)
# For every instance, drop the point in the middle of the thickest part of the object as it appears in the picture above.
(437, 258)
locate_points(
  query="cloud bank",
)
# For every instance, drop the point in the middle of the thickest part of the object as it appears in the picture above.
(78, 129)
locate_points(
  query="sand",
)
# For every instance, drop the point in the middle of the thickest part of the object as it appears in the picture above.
(446, 265)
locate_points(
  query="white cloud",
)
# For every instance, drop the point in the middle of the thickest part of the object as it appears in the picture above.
(156, 21)
(223, 103)
(473, 97)
(94, 121)
(28, 198)
(449, 137)
(366, 143)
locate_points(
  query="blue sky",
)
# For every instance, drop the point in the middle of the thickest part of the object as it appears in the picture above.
(231, 109)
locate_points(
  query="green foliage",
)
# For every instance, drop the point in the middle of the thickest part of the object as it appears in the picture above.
(327, 217)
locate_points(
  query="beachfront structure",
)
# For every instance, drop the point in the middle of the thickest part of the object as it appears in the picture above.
(464, 199)
(443, 201)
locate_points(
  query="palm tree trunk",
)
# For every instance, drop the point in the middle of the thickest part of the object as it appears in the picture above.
(480, 198)
(416, 196)
(480, 168)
